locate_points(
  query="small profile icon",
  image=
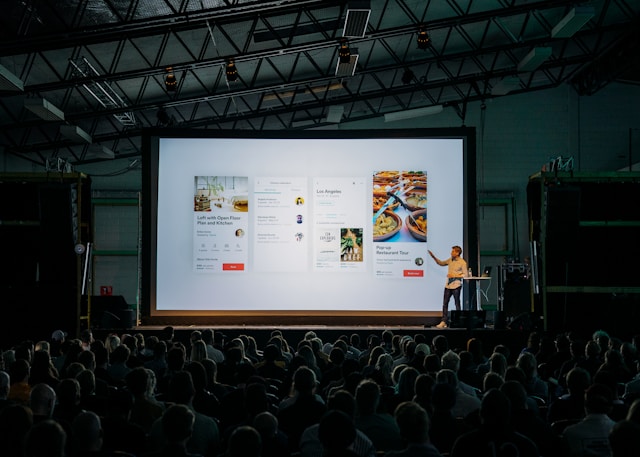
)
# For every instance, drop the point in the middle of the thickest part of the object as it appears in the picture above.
(299, 201)
(239, 233)
(419, 261)
(299, 218)
(299, 236)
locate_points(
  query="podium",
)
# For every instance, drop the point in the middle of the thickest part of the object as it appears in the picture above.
(478, 280)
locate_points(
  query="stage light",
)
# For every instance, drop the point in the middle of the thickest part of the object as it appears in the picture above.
(344, 53)
(423, 39)
(231, 71)
(357, 18)
(170, 81)
(413, 113)
(573, 21)
(534, 59)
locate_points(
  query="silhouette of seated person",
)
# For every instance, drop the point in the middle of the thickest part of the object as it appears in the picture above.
(244, 441)
(146, 409)
(178, 427)
(528, 423)
(341, 400)
(274, 441)
(15, 422)
(303, 409)
(570, 406)
(42, 402)
(46, 438)
(590, 435)
(206, 435)
(623, 439)
(120, 434)
(495, 437)
(380, 427)
(445, 427)
(336, 433)
(87, 437)
(272, 366)
(413, 422)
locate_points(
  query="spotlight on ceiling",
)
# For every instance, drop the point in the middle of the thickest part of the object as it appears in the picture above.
(170, 81)
(407, 76)
(348, 68)
(344, 53)
(231, 71)
(10, 82)
(357, 18)
(413, 113)
(423, 39)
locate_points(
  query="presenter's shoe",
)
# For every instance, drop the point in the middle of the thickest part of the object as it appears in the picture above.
(442, 324)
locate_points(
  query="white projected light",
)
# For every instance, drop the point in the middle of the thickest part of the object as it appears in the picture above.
(249, 226)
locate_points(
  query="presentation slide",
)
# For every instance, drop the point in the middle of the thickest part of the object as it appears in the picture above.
(304, 224)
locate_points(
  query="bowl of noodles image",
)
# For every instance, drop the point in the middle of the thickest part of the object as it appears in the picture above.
(386, 225)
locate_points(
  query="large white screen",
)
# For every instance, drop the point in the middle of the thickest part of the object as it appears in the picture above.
(273, 224)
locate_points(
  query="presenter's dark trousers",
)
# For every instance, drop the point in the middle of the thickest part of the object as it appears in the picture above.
(448, 293)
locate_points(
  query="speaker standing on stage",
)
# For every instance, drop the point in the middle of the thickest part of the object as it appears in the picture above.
(457, 271)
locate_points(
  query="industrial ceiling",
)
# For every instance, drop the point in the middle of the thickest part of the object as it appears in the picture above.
(82, 79)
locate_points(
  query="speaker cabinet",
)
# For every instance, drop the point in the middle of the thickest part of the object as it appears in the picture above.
(468, 319)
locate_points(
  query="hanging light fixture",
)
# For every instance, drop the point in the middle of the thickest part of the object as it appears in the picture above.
(344, 53)
(423, 39)
(170, 81)
(231, 71)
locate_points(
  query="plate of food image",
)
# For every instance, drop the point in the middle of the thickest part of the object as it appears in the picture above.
(417, 224)
(386, 225)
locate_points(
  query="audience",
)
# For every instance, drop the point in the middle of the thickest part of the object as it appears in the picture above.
(403, 395)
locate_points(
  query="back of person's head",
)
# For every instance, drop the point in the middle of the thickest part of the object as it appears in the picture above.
(87, 381)
(498, 363)
(86, 432)
(432, 363)
(495, 410)
(344, 401)
(375, 354)
(45, 439)
(447, 376)
(492, 380)
(592, 349)
(176, 358)
(623, 439)
(181, 388)
(367, 397)
(304, 380)
(422, 349)
(244, 441)
(271, 353)
(120, 355)
(578, 379)
(527, 362)
(337, 355)
(443, 397)
(598, 399)
(440, 344)
(336, 431)
(514, 373)
(177, 423)
(15, 422)
(266, 424)
(87, 359)
(68, 392)
(516, 393)
(137, 381)
(387, 336)
(413, 422)
(407, 382)
(255, 398)
(450, 360)
(42, 399)
(198, 375)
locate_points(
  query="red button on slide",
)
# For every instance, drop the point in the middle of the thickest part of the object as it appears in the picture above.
(413, 273)
(232, 266)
